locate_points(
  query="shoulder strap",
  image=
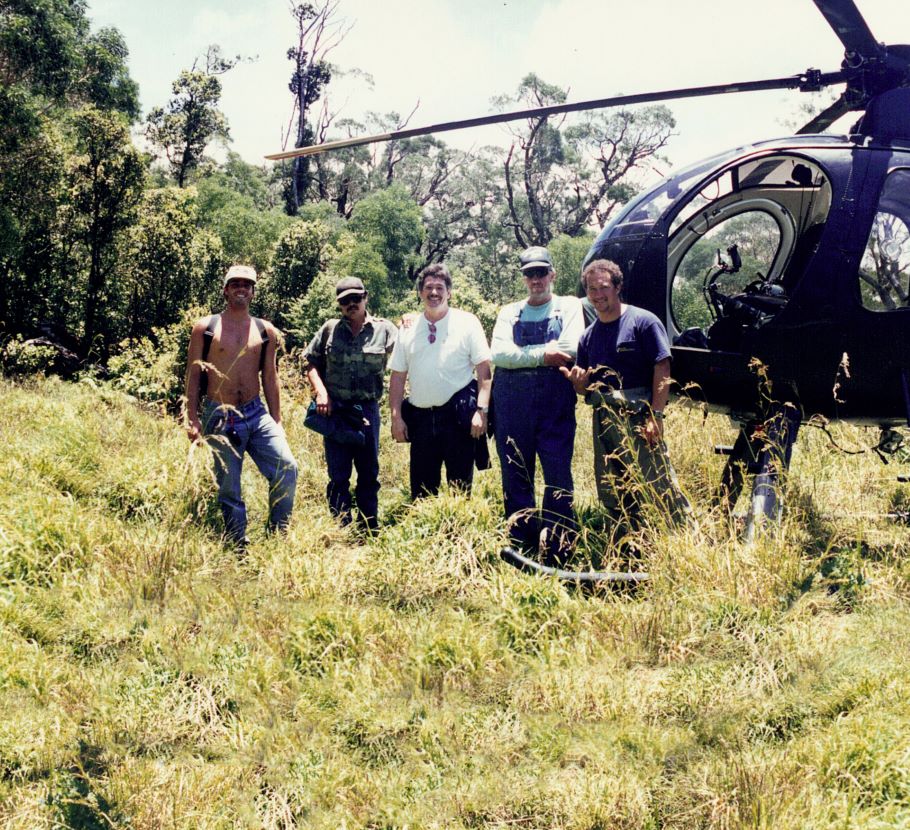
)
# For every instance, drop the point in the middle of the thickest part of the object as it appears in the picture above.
(328, 332)
(264, 335)
(208, 336)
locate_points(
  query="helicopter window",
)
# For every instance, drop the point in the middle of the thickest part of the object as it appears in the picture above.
(884, 272)
(757, 237)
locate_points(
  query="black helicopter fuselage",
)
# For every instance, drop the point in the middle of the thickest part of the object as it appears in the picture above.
(818, 313)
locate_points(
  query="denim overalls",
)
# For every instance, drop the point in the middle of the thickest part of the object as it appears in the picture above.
(534, 415)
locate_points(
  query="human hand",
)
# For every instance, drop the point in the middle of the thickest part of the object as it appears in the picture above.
(194, 431)
(399, 429)
(578, 377)
(653, 431)
(323, 404)
(478, 424)
(554, 356)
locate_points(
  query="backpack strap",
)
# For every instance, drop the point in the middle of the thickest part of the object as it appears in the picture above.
(328, 332)
(263, 333)
(207, 337)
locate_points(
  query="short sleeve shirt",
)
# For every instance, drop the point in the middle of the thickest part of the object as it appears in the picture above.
(437, 370)
(623, 352)
(352, 367)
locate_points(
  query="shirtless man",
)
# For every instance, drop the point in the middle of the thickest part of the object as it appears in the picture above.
(234, 419)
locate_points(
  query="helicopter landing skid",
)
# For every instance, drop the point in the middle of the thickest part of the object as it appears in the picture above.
(589, 578)
(762, 450)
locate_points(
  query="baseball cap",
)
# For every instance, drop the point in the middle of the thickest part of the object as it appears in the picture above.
(535, 257)
(348, 285)
(240, 272)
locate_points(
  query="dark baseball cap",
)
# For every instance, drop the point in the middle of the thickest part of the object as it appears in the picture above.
(348, 285)
(535, 257)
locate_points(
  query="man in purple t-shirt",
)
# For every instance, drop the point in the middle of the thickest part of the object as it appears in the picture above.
(623, 370)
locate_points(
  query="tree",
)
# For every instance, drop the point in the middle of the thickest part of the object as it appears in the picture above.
(50, 62)
(171, 263)
(191, 119)
(391, 221)
(106, 177)
(318, 32)
(302, 252)
(562, 181)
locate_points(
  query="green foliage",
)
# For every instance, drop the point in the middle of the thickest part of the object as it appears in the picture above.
(152, 369)
(248, 235)
(183, 128)
(48, 50)
(105, 176)
(306, 314)
(299, 255)
(391, 221)
(414, 679)
(568, 254)
(20, 358)
(172, 263)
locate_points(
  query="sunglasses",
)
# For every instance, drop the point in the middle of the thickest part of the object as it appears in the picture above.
(431, 337)
(531, 273)
(351, 299)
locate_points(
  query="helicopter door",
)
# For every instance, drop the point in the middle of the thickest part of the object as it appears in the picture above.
(736, 249)
(738, 246)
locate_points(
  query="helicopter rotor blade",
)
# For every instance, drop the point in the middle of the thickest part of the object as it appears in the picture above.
(817, 80)
(850, 27)
(826, 117)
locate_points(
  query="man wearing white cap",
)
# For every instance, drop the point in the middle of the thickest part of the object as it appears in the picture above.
(227, 355)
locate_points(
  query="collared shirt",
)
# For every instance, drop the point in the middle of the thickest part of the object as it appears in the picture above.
(437, 370)
(352, 367)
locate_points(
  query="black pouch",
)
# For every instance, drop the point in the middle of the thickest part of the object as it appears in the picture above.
(464, 402)
(345, 425)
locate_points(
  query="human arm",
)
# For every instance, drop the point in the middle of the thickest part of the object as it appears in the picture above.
(270, 386)
(660, 395)
(320, 393)
(396, 396)
(193, 373)
(580, 374)
(484, 384)
(502, 346)
(573, 324)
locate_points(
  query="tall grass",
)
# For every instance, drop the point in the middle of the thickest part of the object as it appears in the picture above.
(150, 678)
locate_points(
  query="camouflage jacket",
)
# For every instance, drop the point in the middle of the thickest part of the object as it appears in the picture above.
(352, 367)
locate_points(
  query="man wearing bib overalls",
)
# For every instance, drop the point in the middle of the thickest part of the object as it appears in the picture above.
(534, 408)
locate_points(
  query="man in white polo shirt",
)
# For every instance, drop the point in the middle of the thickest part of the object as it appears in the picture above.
(439, 355)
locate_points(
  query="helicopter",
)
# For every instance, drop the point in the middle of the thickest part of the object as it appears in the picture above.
(815, 320)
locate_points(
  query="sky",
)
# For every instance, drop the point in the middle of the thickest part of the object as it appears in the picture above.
(449, 58)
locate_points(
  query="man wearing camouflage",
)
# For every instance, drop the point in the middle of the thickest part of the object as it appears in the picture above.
(345, 365)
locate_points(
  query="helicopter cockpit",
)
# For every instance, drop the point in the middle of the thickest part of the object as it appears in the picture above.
(737, 247)
(736, 242)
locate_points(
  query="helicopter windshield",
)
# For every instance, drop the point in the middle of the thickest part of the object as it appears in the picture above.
(640, 215)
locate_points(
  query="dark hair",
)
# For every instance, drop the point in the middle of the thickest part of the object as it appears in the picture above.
(438, 271)
(606, 266)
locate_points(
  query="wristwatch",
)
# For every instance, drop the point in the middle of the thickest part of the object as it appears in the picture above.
(484, 409)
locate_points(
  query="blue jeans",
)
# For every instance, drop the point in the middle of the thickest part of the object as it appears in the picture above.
(233, 431)
(341, 459)
(534, 417)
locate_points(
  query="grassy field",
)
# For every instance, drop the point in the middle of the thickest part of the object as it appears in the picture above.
(151, 679)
